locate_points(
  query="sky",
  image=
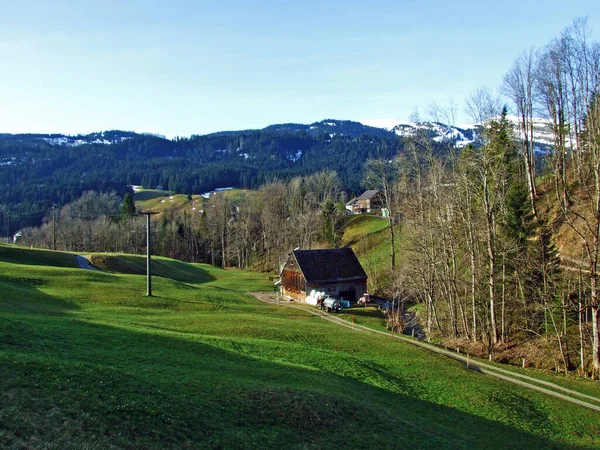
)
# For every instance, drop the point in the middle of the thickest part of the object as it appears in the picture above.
(179, 68)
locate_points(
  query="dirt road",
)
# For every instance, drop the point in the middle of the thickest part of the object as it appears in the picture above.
(542, 386)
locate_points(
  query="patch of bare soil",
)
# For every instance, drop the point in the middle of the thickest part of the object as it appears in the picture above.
(541, 352)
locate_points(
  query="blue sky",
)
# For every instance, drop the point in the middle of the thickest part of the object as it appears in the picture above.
(192, 67)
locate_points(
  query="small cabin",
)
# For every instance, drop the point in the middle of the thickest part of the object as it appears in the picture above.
(337, 272)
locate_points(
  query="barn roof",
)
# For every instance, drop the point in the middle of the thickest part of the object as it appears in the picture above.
(369, 194)
(329, 265)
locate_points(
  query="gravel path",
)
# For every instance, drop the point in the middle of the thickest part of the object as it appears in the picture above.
(488, 369)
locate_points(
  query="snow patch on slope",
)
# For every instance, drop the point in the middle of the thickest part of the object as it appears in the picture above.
(462, 135)
(295, 157)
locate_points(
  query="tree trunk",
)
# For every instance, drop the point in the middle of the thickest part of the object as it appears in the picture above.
(503, 318)
(491, 261)
(393, 241)
(560, 342)
(581, 345)
(473, 294)
(224, 253)
(596, 339)
(530, 176)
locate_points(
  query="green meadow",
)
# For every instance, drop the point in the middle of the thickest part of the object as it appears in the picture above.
(161, 201)
(88, 361)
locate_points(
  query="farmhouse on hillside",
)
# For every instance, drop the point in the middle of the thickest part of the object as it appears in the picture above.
(336, 272)
(368, 202)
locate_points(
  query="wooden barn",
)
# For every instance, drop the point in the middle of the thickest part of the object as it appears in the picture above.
(336, 272)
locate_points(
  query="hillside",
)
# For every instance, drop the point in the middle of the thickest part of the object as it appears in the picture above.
(163, 201)
(370, 239)
(86, 360)
(38, 170)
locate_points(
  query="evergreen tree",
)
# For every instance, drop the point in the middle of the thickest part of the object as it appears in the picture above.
(128, 206)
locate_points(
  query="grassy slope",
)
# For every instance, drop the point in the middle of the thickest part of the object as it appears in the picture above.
(160, 201)
(361, 225)
(87, 361)
(21, 255)
(369, 237)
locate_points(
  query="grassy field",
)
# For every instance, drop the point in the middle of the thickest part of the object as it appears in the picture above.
(369, 237)
(359, 226)
(87, 361)
(161, 201)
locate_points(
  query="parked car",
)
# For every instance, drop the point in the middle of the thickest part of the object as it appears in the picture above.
(332, 304)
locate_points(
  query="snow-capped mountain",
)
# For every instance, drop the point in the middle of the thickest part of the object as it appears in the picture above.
(439, 132)
(542, 131)
(63, 140)
(461, 135)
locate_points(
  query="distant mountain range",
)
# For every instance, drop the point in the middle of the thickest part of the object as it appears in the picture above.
(460, 136)
(37, 170)
(101, 137)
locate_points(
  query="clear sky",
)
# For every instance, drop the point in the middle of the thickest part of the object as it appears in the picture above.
(193, 67)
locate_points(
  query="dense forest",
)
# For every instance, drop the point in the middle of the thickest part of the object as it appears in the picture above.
(36, 171)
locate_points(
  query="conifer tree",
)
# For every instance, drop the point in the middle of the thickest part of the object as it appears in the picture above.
(128, 207)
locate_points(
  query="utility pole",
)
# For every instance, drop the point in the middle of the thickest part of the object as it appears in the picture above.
(53, 226)
(148, 253)
(7, 227)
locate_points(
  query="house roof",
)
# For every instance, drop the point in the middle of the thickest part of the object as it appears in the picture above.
(329, 265)
(369, 194)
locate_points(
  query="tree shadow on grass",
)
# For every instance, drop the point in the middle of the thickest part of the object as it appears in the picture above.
(166, 268)
(36, 257)
(22, 296)
(21, 302)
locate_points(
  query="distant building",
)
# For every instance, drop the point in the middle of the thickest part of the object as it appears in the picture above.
(368, 202)
(337, 272)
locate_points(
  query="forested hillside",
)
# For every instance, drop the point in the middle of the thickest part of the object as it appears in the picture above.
(38, 170)
(494, 250)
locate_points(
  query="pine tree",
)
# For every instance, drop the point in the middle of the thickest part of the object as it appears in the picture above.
(128, 207)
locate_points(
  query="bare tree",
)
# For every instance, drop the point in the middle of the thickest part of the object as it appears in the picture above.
(483, 105)
(552, 89)
(444, 114)
(519, 87)
(381, 174)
